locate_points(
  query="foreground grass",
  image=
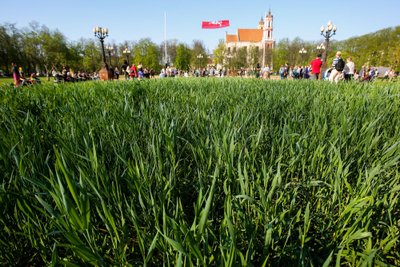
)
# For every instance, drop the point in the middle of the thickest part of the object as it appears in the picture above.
(200, 172)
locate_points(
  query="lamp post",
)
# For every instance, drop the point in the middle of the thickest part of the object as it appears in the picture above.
(126, 52)
(327, 31)
(302, 53)
(109, 50)
(101, 33)
(320, 47)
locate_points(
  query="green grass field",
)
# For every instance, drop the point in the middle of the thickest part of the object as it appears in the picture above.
(9, 81)
(200, 172)
(6, 81)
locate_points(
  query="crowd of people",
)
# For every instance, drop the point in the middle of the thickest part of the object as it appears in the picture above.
(131, 71)
(339, 70)
(20, 79)
(209, 71)
(66, 75)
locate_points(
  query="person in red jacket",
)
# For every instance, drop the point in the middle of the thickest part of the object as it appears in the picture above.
(133, 73)
(316, 65)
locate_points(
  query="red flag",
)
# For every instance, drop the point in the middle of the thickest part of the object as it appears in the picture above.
(214, 24)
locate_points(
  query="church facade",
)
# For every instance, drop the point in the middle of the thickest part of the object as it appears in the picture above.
(260, 38)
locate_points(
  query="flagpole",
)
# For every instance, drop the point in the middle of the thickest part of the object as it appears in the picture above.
(165, 38)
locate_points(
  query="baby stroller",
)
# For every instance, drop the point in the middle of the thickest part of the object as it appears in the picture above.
(339, 77)
(327, 73)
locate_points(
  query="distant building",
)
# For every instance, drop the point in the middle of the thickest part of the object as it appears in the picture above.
(260, 38)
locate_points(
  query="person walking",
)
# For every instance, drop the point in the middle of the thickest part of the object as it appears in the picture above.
(126, 69)
(338, 65)
(266, 72)
(316, 65)
(283, 72)
(116, 73)
(133, 71)
(349, 69)
(16, 75)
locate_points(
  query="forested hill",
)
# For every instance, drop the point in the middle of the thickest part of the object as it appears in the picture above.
(381, 48)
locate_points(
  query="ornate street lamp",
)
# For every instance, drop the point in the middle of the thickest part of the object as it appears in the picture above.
(126, 52)
(327, 31)
(321, 47)
(109, 50)
(302, 53)
(101, 33)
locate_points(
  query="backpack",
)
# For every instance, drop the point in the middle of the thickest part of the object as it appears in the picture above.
(340, 64)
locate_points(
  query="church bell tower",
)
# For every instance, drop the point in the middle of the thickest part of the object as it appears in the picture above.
(267, 41)
(268, 28)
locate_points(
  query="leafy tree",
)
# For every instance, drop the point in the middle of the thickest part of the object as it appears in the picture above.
(54, 49)
(10, 49)
(219, 53)
(254, 56)
(280, 53)
(240, 58)
(75, 56)
(153, 58)
(199, 54)
(183, 56)
(31, 49)
(380, 48)
(146, 53)
(91, 56)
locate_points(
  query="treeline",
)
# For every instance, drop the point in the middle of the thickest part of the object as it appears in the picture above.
(380, 48)
(37, 49)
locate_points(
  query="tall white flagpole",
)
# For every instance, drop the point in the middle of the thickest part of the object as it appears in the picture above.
(165, 38)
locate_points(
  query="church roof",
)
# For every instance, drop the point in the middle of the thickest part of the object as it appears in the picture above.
(231, 38)
(245, 35)
(250, 35)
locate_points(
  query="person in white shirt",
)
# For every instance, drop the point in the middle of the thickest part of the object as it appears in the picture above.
(266, 72)
(349, 69)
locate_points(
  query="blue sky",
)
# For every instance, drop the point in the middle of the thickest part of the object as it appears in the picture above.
(133, 20)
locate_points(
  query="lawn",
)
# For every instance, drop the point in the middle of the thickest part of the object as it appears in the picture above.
(6, 81)
(212, 172)
(9, 81)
